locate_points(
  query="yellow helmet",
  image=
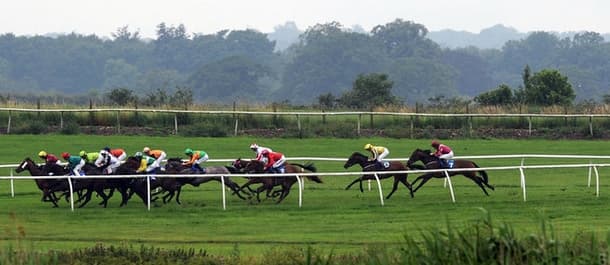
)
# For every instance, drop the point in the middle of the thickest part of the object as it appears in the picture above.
(82, 153)
(42, 154)
(368, 146)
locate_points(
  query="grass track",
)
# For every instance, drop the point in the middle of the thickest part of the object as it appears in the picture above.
(331, 217)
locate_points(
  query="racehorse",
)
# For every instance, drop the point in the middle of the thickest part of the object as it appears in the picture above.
(286, 182)
(363, 161)
(174, 185)
(47, 186)
(431, 162)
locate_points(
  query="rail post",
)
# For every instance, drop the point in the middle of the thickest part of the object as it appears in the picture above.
(299, 126)
(224, 196)
(450, 185)
(175, 124)
(300, 191)
(522, 173)
(118, 121)
(71, 193)
(589, 176)
(61, 120)
(236, 124)
(148, 192)
(591, 125)
(380, 191)
(12, 185)
(529, 121)
(358, 128)
(596, 181)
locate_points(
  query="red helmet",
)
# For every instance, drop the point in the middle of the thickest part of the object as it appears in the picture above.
(265, 152)
(435, 143)
(65, 155)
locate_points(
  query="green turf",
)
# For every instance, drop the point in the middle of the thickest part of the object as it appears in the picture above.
(331, 217)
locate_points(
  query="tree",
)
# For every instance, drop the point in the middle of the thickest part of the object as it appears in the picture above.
(503, 95)
(368, 91)
(327, 101)
(405, 39)
(549, 87)
(123, 34)
(182, 97)
(121, 96)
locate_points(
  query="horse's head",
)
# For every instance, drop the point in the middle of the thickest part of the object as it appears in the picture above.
(173, 163)
(255, 166)
(419, 155)
(240, 164)
(356, 158)
(26, 164)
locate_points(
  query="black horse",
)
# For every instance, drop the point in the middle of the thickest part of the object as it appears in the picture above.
(47, 186)
(363, 161)
(431, 162)
(174, 185)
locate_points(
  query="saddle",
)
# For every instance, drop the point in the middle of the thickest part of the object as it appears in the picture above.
(446, 163)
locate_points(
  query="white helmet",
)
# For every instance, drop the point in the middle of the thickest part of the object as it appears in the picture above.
(146, 150)
(254, 146)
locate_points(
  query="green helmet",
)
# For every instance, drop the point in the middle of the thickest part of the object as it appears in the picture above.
(82, 153)
(139, 154)
(188, 151)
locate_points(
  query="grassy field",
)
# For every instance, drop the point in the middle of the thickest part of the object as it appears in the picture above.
(331, 218)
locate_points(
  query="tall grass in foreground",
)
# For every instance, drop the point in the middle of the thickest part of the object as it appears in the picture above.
(482, 242)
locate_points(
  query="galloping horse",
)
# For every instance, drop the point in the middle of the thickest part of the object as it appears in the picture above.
(174, 166)
(47, 186)
(431, 162)
(363, 161)
(286, 182)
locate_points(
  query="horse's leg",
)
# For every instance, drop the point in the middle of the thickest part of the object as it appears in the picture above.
(485, 180)
(178, 194)
(86, 197)
(406, 183)
(285, 191)
(394, 187)
(354, 182)
(478, 181)
(424, 178)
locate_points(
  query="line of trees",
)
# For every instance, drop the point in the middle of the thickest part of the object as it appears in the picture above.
(325, 67)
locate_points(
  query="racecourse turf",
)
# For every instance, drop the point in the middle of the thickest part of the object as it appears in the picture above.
(331, 218)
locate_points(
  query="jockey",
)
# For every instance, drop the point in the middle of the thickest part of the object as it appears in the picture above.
(75, 163)
(258, 150)
(145, 161)
(119, 153)
(196, 158)
(48, 158)
(158, 155)
(379, 153)
(276, 162)
(106, 161)
(89, 157)
(443, 153)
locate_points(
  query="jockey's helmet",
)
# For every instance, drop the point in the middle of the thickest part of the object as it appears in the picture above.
(265, 152)
(368, 146)
(254, 146)
(146, 150)
(42, 154)
(82, 153)
(107, 149)
(188, 151)
(65, 155)
(138, 154)
(435, 143)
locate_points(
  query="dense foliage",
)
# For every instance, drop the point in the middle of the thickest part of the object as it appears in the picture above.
(244, 65)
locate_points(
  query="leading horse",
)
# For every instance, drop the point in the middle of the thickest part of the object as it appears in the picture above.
(431, 162)
(363, 161)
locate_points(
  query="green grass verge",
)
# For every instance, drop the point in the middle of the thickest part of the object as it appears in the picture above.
(331, 219)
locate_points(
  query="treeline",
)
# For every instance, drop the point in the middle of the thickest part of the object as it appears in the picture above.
(243, 65)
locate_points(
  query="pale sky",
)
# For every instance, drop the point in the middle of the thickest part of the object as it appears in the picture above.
(102, 17)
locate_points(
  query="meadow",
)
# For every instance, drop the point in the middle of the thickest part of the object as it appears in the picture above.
(331, 219)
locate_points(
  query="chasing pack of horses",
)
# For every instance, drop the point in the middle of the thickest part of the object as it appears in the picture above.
(275, 188)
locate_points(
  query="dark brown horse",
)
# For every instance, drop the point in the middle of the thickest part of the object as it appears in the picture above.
(431, 162)
(174, 185)
(363, 161)
(46, 185)
(285, 182)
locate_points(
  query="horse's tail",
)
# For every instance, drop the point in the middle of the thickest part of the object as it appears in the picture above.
(483, 173)
(308, 166)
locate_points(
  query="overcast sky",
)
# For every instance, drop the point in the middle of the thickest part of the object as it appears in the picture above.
(102, 17)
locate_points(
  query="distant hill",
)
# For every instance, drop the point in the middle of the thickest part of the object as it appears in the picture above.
(489, 38)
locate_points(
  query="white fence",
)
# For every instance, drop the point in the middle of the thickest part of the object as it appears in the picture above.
(593, 167)
(298, 115)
